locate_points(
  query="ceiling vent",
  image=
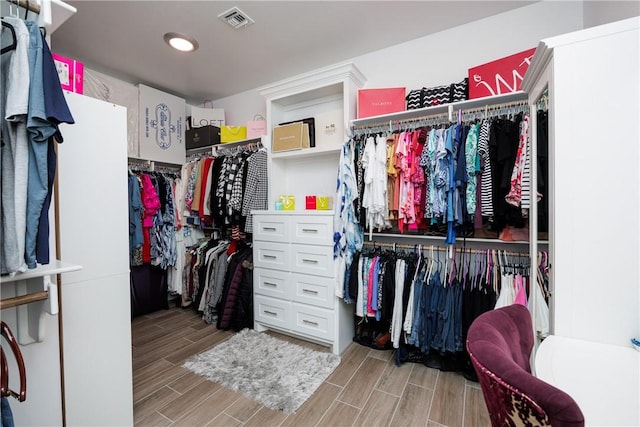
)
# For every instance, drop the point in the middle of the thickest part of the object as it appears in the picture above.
(236, 18)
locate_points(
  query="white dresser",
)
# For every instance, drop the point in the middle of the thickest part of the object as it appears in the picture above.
(294, 278)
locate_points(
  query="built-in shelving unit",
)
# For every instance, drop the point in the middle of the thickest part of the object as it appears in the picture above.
(327, 93)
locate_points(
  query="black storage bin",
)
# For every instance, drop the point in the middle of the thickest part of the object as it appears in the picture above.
(204, 136)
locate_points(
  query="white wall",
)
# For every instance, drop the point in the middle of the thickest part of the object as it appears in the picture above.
(602, 12)
(446, 56)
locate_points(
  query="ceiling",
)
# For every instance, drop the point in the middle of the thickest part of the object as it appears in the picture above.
(124, 39)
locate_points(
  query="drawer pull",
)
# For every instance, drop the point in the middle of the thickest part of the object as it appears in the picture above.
(310, 261)
(268, 229)
(269, 256)
(273, 285)
(309, 230)
(309, 322)
(310, 291)
(270, 313)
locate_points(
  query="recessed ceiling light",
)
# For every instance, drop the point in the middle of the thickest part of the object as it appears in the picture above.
(181, 42)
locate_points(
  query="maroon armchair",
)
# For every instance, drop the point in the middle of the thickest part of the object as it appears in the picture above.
(499, 343)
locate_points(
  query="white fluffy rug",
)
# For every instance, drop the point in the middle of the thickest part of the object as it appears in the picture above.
(276, 373)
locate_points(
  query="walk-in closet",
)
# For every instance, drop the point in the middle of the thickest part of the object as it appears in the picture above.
(305, 214)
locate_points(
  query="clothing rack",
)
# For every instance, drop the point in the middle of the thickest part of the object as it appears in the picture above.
(449, 249)
(507, 104)
(26, 4)
(143, 165)
(23, 299)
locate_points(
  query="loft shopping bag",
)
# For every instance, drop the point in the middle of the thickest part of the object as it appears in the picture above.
(204, 116)
(256, 127)
(232, 134)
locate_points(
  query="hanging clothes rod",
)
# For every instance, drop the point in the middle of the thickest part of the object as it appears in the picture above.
(26, 4)
(151, 165)
(394, 246)
(489, 110)
(23, 299)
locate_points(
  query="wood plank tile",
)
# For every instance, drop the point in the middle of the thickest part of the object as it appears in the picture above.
(196, 334)
(448, 399)
(475, 409)
(186, 382)
(380, 354)
(141, 374)
(175, 324)
(394, 378)
(180, 355)
(266, 417)
(153, 382)
(350, 361)
(472, 384)
(163, 314)
(357, 391)
(149, 334)
(423, 376)
(185, 404)
(208, 409)
(224, 420)
(156, 400)
(379, 410)
(154, 420)
(157, 350)
(339, 414)
(311, 411)
(434, 424)
(243, 409)
(413, 407)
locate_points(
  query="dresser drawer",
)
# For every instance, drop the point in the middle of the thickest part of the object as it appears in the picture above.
(271, 255)
(272, 283)
(316, 260)
(272, 311)
(314, 290)
(314, 230)
(271, 228)
(313, 321)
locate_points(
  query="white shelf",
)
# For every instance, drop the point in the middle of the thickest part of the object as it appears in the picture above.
(306, 152)
(439, 110)
(311, 212)
(55, 267)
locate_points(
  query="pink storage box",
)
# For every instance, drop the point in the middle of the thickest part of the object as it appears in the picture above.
(70, 73)
(375, 102)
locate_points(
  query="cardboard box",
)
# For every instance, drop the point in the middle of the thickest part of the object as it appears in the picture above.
(161, 125)
(70, 73)
(312, 129)
(204, 136)
(290, 137)
(376, 102)
(503, 75)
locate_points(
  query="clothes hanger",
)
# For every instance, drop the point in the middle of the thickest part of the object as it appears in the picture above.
(5, 391)
(14, 39)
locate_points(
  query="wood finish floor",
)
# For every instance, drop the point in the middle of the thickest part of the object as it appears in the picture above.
(366, 389)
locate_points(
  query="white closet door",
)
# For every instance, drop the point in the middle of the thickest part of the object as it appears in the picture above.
(94, 230)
